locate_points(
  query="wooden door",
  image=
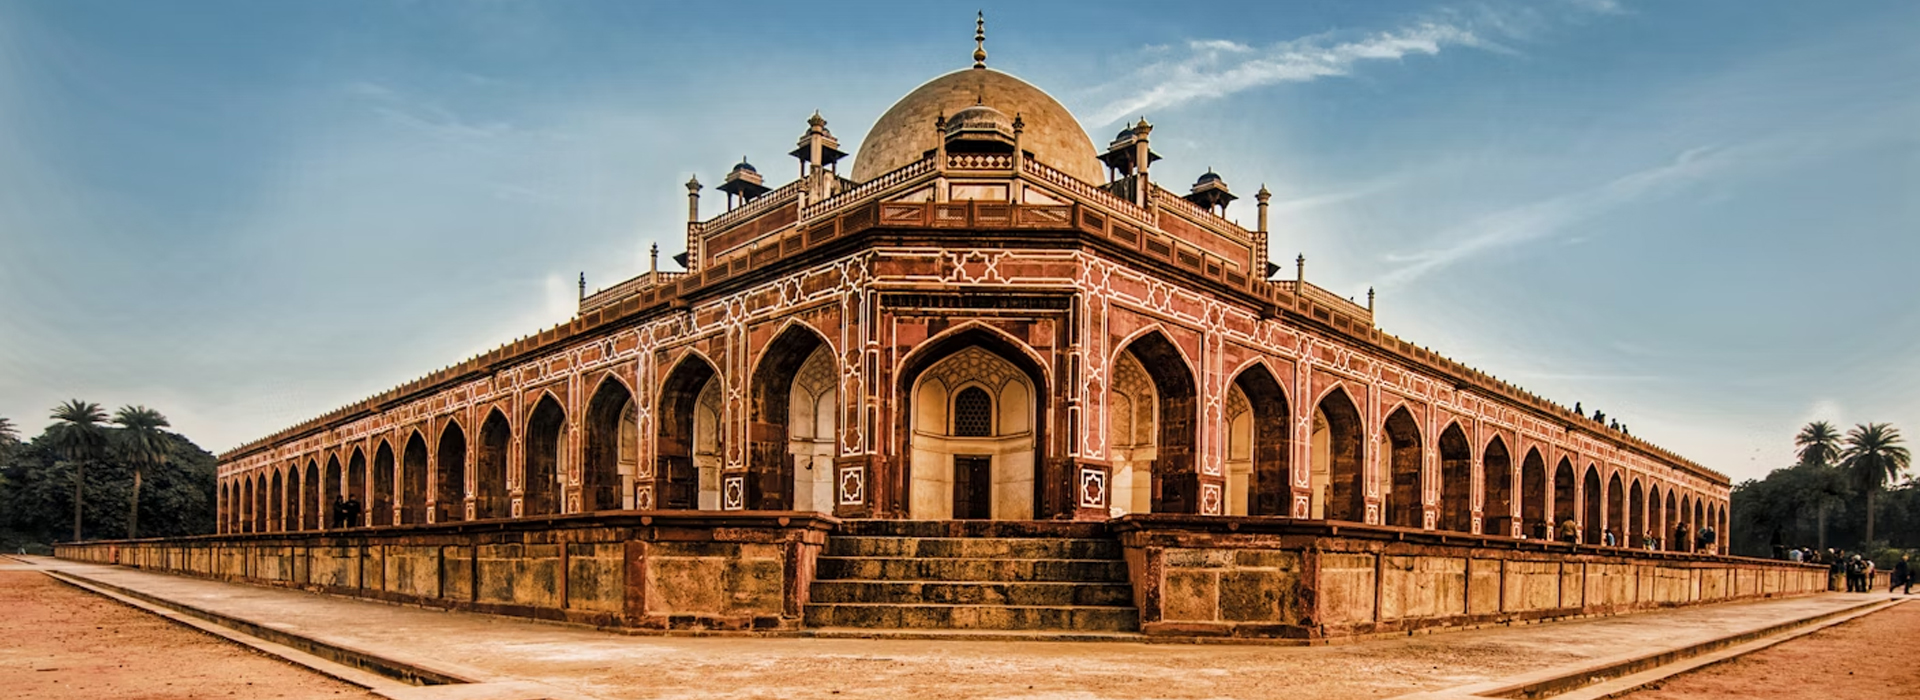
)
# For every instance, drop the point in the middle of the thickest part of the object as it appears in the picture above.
(972, 487)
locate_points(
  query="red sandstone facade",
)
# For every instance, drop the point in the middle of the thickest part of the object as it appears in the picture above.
(970, 327)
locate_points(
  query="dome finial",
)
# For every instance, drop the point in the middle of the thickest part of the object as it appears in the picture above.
(980, 40)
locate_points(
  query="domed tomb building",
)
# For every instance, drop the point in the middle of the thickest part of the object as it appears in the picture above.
(992, 319)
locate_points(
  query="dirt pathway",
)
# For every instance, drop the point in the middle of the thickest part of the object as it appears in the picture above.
(1877, 656)
(58, 642)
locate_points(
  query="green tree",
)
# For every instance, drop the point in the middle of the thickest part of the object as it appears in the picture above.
(1874, 457)
(8, 433)
(1819, 444)
(78, 438)
(141, 444)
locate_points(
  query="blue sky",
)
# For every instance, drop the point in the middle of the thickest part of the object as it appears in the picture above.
(1700, 217)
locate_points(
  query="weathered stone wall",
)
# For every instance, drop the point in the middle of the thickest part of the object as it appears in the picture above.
(671, 571)
(1257, 577)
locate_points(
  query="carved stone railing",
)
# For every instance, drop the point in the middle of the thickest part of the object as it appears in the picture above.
(758, 206)
(1074, 185)
(1168, 200)
(980, 161)
(1339, 303)
(866, 189)
(611, 295)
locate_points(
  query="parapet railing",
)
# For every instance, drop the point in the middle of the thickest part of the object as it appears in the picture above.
(611, 295)
(760, 205)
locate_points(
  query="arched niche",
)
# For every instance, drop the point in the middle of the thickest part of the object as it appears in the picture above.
(317, 500)
(612, 448)
(783, 423)
(687, 438)
(1259, 445)
(1592, 517)
(413, 481)
(1175, 483)
(1496, 466)
(1636, 516)
(1566, 487)
(450, 475)
(490, 473)
(544, 466)
(1403, 506)
(1132, 433)
(1456, 480)
(1534, 520)
(379, 505)
(1337, 479)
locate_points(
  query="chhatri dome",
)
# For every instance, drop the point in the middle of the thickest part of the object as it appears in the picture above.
(906, 132)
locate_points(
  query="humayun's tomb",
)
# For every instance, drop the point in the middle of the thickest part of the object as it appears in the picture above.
(995, 376)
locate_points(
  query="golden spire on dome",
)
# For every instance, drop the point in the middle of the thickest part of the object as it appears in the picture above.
(980, 40)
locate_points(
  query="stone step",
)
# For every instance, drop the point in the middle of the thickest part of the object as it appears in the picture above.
(974, 617)
(973, 593)
(973, 547)
(971, 570)
(974, 528)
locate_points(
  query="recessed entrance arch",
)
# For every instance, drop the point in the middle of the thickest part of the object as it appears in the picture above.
(793, 399)
(545, 463)
(316, 500)
(359, 487)
(1263, 485)
(413, 482)
(1339, 444)
(686, 438)
(275, 504)
(612, 447)
(490, 473)
(296, 498)
(1456, 480)
(1496, 467)
(973, 429)
(1404, 506)
(248, 507)
(450, 475)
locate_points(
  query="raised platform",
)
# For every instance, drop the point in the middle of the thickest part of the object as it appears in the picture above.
(1163, 576)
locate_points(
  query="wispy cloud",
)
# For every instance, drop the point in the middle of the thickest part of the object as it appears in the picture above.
(1213, 68)
(1536, 220)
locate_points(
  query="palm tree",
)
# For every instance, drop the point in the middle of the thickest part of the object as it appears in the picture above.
(1819, 444)
(78, 437)
(141, 443)
(1874, 457)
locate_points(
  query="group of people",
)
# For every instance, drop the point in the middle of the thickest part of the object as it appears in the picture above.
(1685, 541)
(346, 511)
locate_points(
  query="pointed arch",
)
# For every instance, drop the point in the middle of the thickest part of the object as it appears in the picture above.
(678, 477)
(1566, 489)
(1534, 517)
(1500, 507)
(296, 508)
(1592, 516)
(544, 466)
(490, 473)
(612, 446)
(770, 459)
(335, 491)
(1339, 447)
(380, 503)
(450, 474)
(248, 506)
(1269, 490)
(1636, 522)
(275, 503)
(1456, 479)
(1001, 476)
(413, 480)
(1175, 478)
(1616, 518)
(1404, 506)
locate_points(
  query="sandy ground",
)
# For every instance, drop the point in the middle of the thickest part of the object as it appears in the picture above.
(1877, 656)
(59, 642)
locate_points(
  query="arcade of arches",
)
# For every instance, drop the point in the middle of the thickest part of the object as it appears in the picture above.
(974, 433)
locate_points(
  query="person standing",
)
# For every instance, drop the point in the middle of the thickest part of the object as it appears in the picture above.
(1569, 532)
(1902, 577)
(1682, 538)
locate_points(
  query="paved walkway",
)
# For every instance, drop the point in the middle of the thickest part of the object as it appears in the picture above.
(589, 663)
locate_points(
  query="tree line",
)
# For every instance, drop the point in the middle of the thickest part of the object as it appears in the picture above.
(89, 475)
(1844, 492)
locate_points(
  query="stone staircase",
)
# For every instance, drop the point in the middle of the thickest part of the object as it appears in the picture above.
(1003, 576)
